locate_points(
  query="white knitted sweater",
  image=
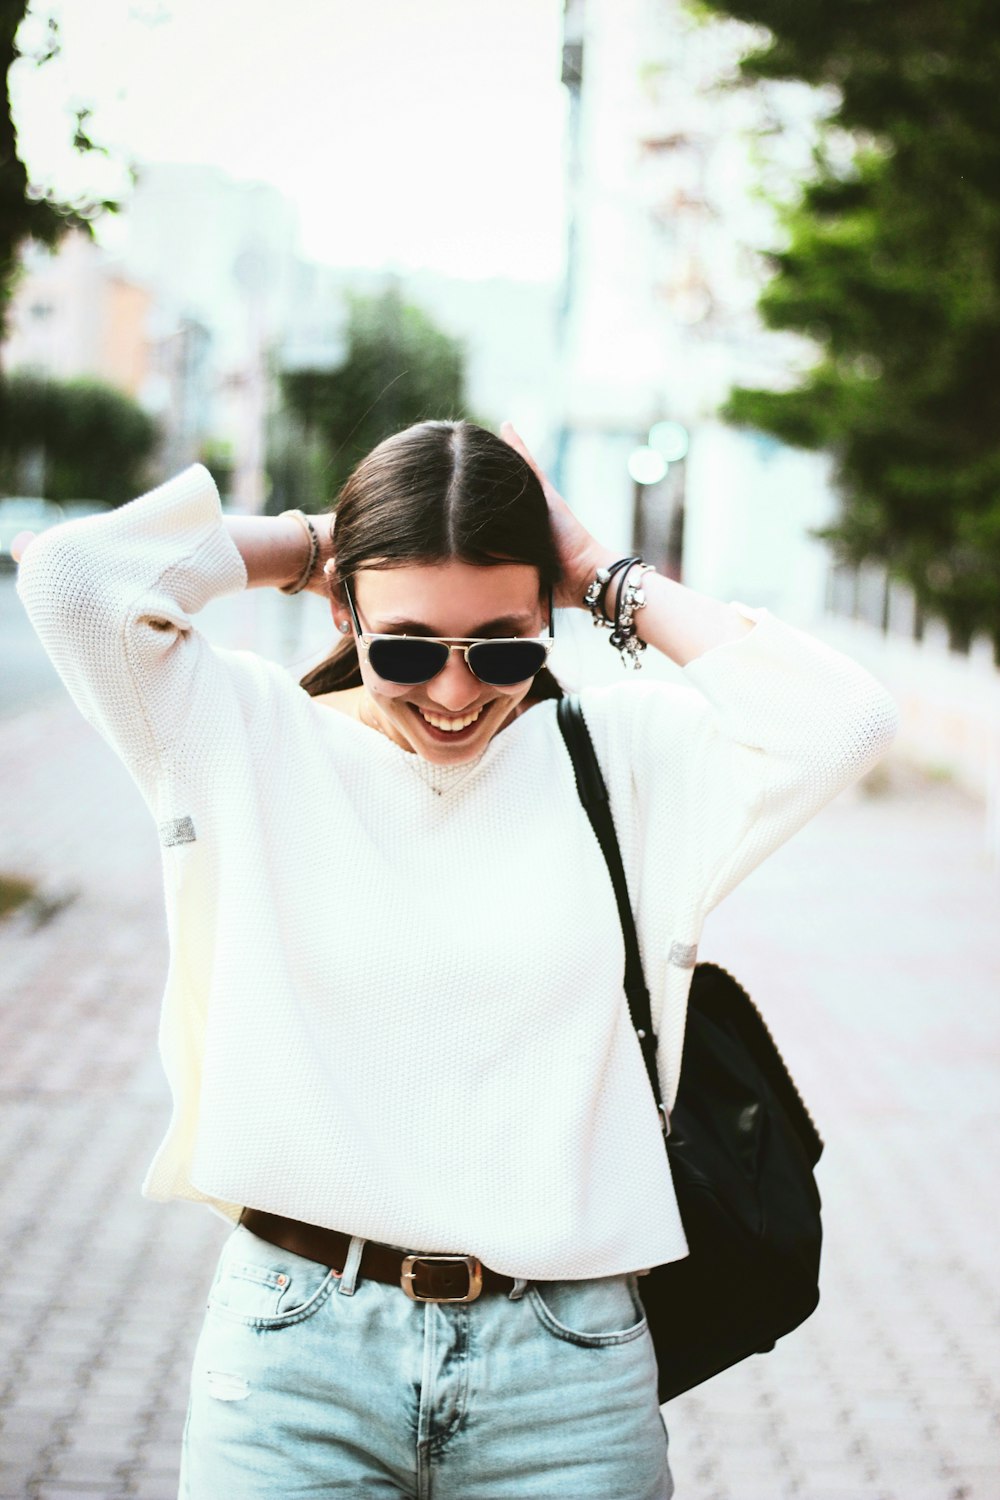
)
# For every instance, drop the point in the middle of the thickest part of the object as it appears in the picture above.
(394, 1001)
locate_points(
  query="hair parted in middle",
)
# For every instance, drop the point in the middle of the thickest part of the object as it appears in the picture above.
(437, 491)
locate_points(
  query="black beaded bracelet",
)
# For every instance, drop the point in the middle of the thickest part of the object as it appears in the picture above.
(597, 590)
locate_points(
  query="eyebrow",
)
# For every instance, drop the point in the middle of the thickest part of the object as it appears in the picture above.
(414, 627)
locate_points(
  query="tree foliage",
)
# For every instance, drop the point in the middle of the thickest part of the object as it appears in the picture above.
(892, 267)
(26, 211)
(399, 368)
(90, 441)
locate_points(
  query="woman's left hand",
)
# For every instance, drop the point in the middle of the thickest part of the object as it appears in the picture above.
(579, 552)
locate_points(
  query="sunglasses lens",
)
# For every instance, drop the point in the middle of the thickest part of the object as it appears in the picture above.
(503, 663)
(407, 661)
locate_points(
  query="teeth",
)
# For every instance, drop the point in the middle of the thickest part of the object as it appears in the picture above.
(451, 725)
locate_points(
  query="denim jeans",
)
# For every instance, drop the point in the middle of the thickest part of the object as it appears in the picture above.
(311, 1383)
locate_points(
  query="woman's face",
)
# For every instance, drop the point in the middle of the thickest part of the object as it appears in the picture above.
(451, 600)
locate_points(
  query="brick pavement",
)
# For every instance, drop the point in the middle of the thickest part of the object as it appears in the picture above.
(871, 940)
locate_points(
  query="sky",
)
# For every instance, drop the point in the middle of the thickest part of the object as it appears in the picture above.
(407, 133)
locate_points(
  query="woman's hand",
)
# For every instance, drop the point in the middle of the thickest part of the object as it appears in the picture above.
(579, 552)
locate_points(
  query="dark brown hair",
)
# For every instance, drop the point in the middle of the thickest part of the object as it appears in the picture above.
(435, 492)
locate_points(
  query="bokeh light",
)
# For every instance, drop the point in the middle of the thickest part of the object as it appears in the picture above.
(670, 439)
(646, 465)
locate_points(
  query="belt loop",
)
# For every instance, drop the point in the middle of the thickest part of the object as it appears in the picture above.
(517, 1290)
(349, 1275)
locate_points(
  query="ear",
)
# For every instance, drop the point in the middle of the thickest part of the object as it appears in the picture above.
(339, 611)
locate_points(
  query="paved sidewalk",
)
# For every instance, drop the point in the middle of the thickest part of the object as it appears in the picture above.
(872, 942)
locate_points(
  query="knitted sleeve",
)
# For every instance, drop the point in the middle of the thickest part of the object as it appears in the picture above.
(111, 597)
(761, 734)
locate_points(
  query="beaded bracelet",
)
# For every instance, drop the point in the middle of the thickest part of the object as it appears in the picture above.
(630, 599)
(597, 589)
(304, 577)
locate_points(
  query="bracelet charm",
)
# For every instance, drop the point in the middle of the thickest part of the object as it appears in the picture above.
(634, 599)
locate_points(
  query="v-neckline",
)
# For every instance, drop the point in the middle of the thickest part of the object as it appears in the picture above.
(440, 778)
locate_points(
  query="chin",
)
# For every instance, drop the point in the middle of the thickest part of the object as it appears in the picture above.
(456, 748)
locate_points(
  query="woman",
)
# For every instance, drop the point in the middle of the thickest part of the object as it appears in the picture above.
(394, 1022)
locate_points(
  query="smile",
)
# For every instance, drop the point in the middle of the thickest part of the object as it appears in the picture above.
(447, 725)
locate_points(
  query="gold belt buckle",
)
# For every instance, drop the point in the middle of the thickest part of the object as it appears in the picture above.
(474, 1267)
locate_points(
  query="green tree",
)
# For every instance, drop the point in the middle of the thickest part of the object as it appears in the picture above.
(88, 440)
(28, 212)
(892, 267)
(399, 368)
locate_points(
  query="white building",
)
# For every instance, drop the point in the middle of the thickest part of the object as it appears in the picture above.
(659, 317)
(222, 256)
(659, 322)
(75, 314)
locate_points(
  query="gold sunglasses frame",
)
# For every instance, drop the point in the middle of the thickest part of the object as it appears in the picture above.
(463, 643)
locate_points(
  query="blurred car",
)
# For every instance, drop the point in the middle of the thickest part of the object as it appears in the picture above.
(27, 513)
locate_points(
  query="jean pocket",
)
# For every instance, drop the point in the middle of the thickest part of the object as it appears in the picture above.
(596, 1313)
(262, 1286)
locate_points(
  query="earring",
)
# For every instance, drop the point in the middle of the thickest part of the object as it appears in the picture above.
(344, 626)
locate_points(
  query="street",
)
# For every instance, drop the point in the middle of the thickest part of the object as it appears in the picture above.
(871, 943)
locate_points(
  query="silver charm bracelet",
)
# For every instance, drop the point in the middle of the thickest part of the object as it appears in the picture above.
(598, 587)
(630, 598)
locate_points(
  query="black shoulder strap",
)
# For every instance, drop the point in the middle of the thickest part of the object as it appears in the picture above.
(594, 796)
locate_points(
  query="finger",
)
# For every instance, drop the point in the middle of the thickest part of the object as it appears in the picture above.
(513, 438)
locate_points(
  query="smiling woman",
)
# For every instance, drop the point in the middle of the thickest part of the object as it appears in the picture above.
(454, 672)
(442, 536)
(438, 493)
(405, 1073)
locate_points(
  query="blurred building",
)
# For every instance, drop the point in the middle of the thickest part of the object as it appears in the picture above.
(75, 313)
(201, 297)
(658, 317)
(222, 256)
(657, 322)
(78, 313)
(181, 314)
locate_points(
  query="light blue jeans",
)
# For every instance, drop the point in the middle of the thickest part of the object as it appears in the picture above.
(310, 1383)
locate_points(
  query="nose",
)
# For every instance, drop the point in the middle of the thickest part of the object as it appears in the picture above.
(455, 688)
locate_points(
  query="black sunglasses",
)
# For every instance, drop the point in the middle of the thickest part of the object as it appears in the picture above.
(411, 659)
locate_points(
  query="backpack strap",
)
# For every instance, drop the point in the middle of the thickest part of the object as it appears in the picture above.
(594, 796)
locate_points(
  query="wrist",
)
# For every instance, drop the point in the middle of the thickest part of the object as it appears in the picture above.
(323, 525)
(317, 532)
(601, 557)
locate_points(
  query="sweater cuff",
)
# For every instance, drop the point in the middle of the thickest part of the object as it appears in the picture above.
(188, 511)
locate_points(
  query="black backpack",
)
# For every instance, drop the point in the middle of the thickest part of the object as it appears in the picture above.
(741, 1146)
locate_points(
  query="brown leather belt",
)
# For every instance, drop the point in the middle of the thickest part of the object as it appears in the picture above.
(425, 1278)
